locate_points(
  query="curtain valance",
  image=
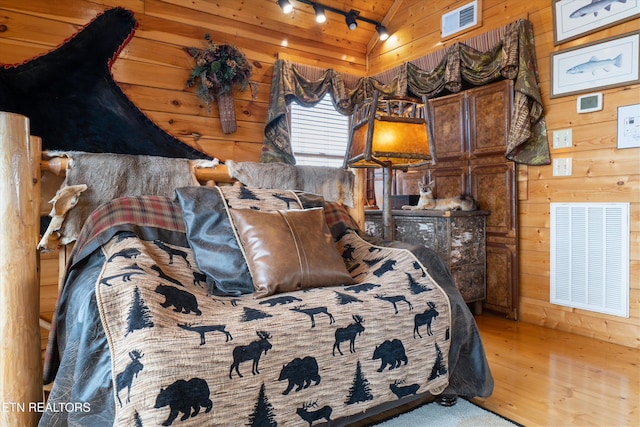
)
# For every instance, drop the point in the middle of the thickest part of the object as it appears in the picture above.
(511, 57)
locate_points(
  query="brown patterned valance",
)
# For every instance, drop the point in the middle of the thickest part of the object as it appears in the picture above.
(505, 53)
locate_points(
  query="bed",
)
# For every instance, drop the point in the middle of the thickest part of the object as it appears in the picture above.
(169, 314)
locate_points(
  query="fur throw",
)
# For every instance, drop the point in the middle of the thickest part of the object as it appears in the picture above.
(334, 184)
(109, 176)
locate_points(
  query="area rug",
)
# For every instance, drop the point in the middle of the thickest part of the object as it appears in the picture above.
(462, 414)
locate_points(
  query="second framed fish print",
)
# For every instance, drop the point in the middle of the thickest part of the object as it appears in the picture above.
(576, 18)
(605, 64)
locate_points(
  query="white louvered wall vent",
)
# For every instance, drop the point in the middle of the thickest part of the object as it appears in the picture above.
(590, 256)
(459, 19)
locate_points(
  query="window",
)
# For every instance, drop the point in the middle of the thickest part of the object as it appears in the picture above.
(319, 134)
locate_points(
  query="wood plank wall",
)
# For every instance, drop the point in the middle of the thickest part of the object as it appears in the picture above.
(601, 172)
(152, 70)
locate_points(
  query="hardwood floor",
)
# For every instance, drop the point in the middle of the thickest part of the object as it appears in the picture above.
(552, 378)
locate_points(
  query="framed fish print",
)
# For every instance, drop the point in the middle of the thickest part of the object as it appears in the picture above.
(604, 64)
(576, 18)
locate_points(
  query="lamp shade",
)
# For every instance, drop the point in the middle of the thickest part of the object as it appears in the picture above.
(389, 130)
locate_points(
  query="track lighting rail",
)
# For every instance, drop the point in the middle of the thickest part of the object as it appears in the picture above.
(351, 18)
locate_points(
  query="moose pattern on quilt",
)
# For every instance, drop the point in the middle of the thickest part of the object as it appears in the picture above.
(297, 358)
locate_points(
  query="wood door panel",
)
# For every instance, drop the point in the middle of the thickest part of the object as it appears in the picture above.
(493, 186)
(489, 118)
(450, 181)
(408, 183)
(447, 115)
(467, 280)
(501, 274)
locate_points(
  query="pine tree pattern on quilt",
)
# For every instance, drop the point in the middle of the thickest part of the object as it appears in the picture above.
(183, 357)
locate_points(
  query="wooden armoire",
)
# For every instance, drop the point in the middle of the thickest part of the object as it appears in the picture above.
(470, 131)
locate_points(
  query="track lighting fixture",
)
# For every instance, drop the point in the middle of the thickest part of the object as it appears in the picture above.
(351, 18)
(285, 5)
(382, 32)
(320, 16)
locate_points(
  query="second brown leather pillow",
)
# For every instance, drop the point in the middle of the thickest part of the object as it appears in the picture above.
(289, 250)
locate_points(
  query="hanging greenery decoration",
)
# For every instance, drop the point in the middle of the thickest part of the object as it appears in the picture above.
(218, 69)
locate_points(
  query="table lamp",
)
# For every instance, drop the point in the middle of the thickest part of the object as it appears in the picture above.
(389, 133)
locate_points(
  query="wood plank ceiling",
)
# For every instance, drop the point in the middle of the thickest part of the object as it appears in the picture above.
(299, 31)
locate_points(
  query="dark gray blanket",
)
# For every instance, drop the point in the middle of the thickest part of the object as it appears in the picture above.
(85, 373)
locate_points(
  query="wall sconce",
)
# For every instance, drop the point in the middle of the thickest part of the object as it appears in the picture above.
(389, 133)
(351, 18)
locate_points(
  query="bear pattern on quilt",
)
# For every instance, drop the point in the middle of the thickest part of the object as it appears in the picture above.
(181, 356)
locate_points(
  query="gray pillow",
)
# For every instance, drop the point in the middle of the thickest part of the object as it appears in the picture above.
(213, 241)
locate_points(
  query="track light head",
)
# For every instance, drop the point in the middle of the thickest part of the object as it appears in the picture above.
(382, 32)
(351, 18)
(285, 5)
(320, 15)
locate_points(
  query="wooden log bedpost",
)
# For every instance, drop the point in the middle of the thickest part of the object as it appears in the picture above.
(20, 357)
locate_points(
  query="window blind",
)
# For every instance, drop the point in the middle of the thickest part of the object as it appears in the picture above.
(319, 134)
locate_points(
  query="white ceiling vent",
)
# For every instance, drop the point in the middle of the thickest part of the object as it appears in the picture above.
(460, 19)
(590, 256)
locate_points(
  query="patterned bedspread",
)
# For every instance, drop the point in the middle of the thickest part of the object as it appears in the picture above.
(182, 356)
(141, 340)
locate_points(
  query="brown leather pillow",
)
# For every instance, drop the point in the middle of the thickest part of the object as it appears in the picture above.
(289, 250)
